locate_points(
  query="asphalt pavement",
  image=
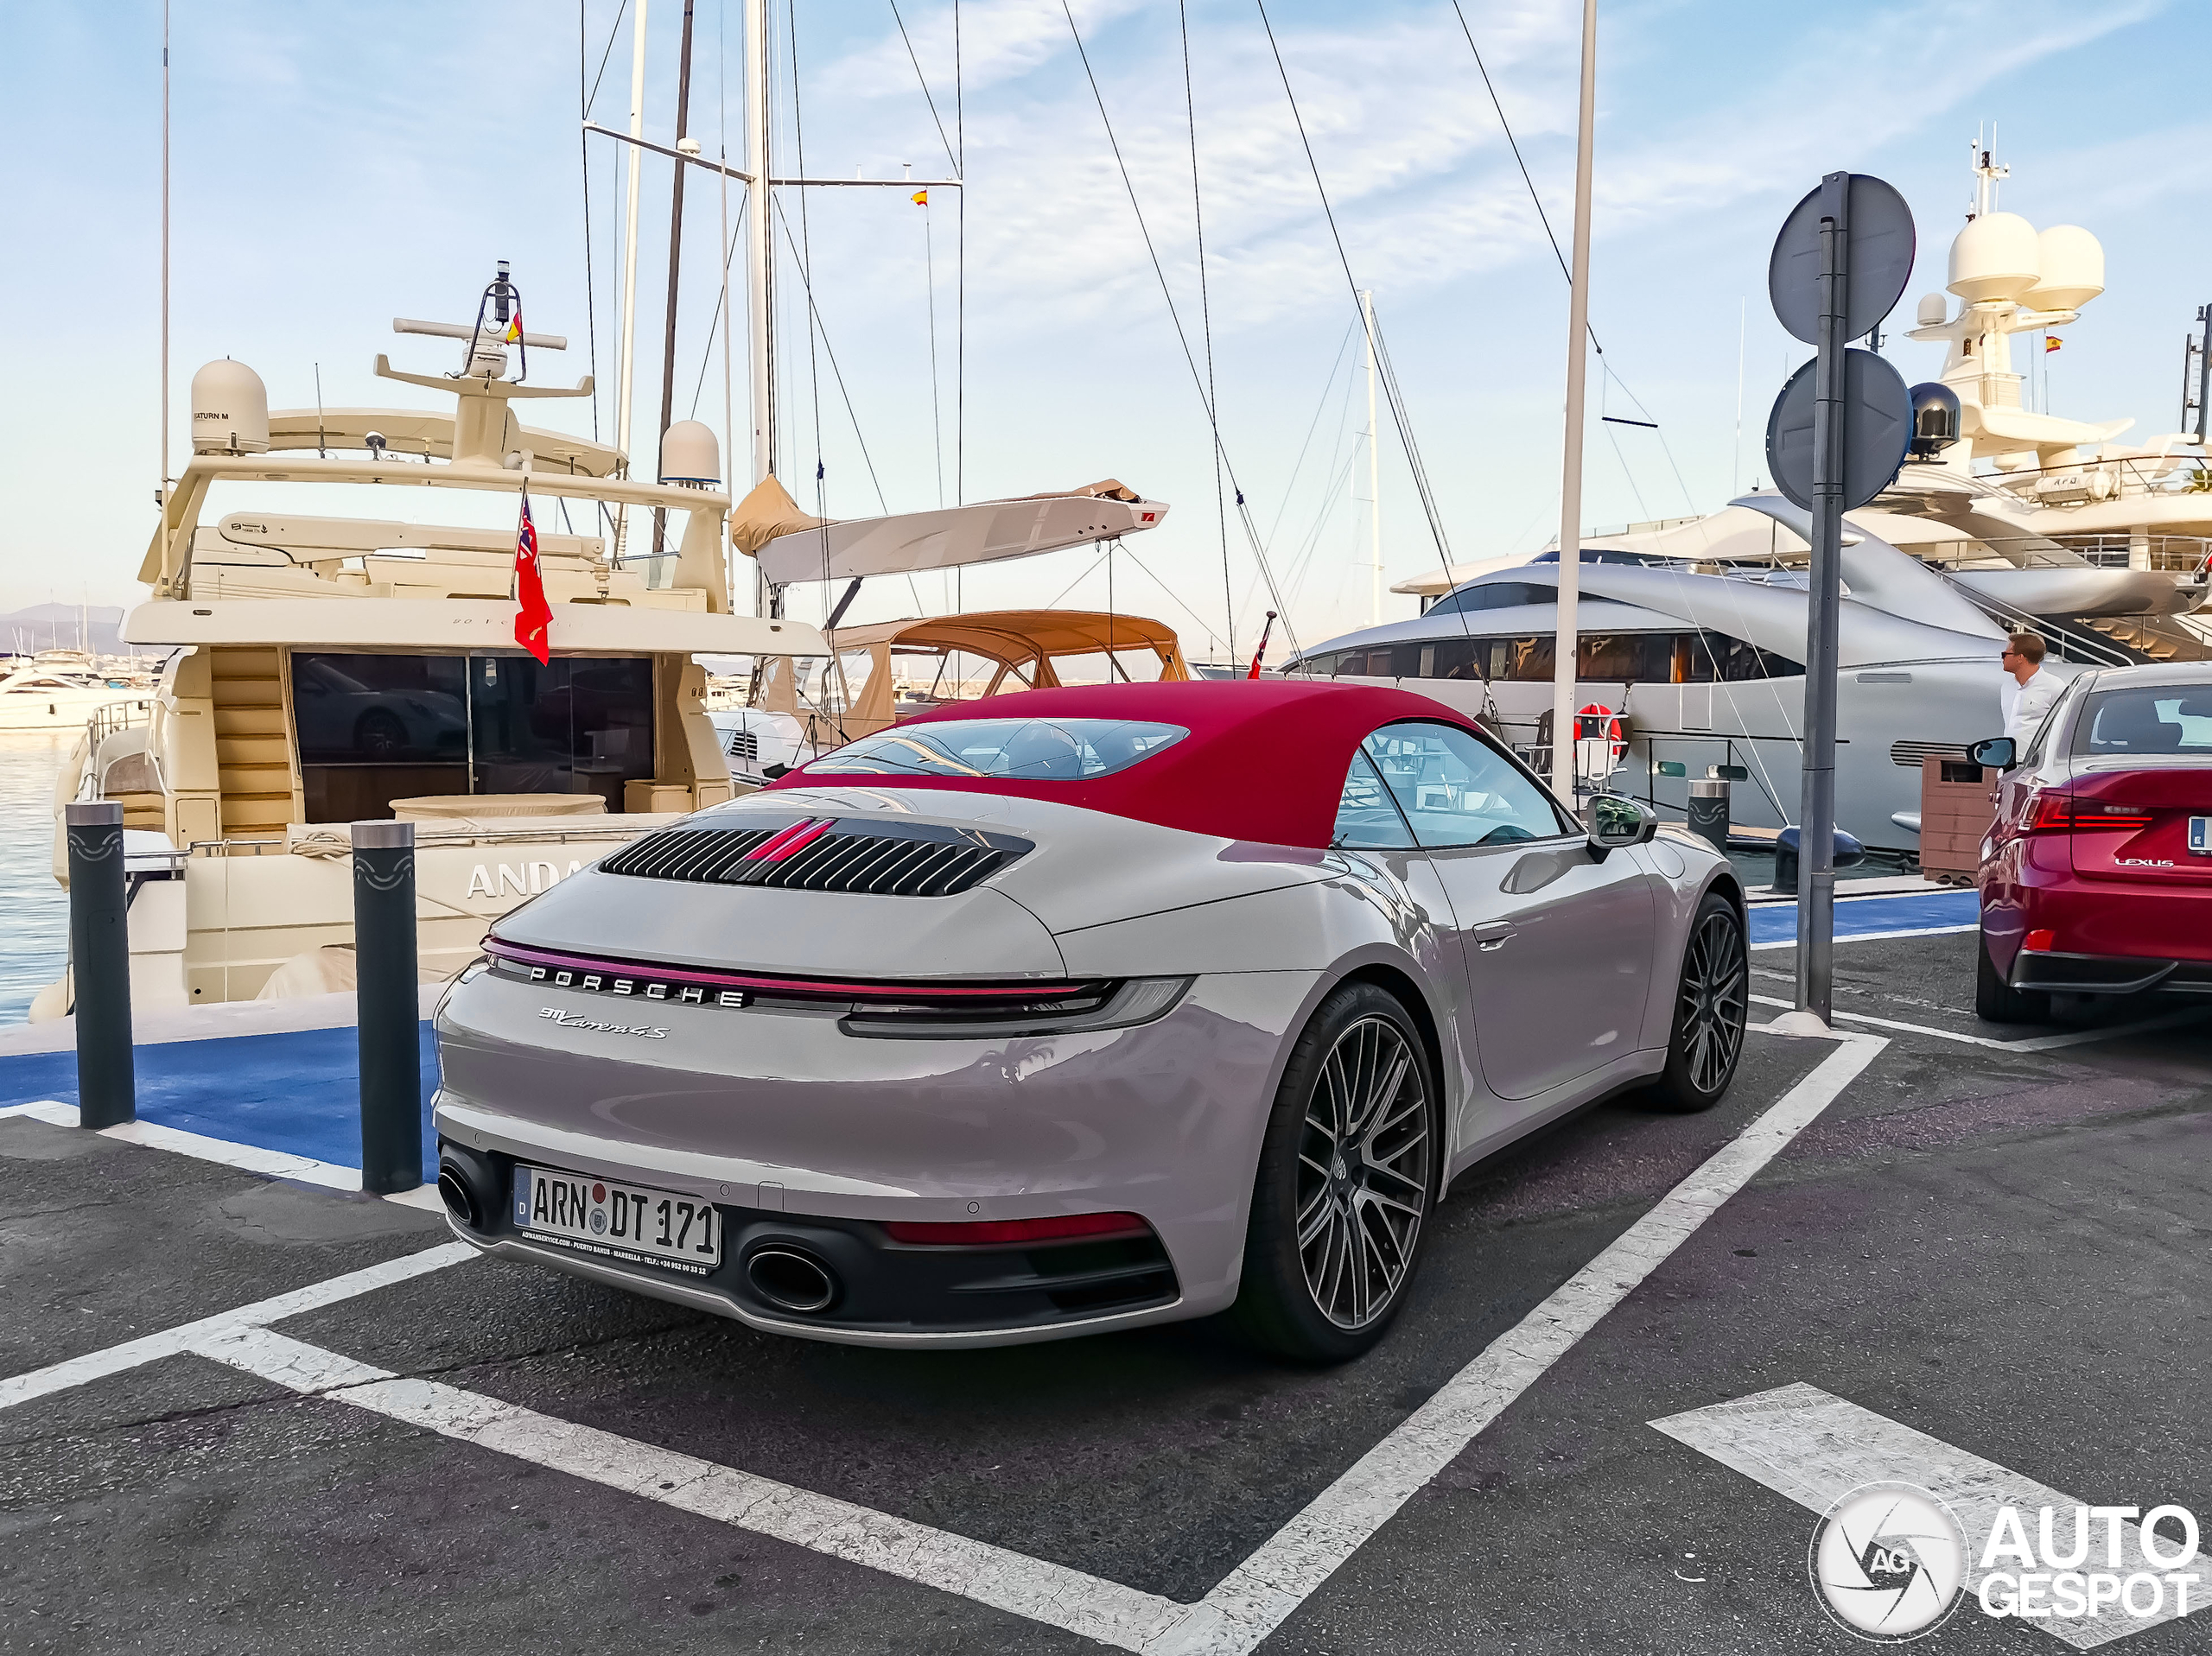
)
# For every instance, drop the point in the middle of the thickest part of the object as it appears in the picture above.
(2001, 1246)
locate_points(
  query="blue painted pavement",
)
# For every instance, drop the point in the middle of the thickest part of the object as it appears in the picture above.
(1876, 916)
(298, 1092)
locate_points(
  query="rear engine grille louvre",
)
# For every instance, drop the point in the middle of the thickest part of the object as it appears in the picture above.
(874, 859)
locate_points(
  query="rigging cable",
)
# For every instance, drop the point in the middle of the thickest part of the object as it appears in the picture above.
(1397, 407)
(1174, 316)
(1205, 320)
(960, 275)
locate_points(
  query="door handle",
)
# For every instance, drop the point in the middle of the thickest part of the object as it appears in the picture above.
(1493, 935)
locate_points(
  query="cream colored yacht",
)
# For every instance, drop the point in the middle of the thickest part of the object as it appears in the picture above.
(325, 670)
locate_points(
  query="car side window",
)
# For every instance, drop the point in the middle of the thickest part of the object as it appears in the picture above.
(1457, 790)
(1366, 819)
(2041, 740)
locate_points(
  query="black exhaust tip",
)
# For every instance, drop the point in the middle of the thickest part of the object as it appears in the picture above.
(790, 1279)
(469, 1185)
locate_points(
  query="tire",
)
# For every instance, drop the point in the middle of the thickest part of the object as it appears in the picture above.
(1995, 1000)
(1324, 1292)
(1712, 1004)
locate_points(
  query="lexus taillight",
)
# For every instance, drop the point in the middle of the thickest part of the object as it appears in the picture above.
(2065, 813)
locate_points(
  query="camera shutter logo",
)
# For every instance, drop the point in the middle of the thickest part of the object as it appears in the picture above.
(1887, 1562)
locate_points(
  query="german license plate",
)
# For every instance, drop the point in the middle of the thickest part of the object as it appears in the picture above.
(619, 1222)
(2199, 835)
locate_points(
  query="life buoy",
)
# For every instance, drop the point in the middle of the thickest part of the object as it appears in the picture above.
(1598, 722)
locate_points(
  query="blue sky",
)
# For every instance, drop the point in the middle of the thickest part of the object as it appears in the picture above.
(336, 166)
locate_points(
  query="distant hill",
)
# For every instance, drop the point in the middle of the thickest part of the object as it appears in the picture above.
(56, 626)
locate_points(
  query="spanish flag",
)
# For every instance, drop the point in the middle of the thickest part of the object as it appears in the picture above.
(2051, 343)
(921, 198)
(514, 328)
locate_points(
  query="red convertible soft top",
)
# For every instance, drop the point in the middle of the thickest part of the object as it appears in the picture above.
(1265, 760)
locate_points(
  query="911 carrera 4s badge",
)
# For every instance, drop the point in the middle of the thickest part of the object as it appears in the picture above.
(574, 1020)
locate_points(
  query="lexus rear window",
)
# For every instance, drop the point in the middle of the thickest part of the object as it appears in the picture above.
(2147, 719)
(1024, 750)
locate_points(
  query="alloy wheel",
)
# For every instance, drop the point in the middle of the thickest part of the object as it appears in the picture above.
(1363, 1173)
(1711, 1007)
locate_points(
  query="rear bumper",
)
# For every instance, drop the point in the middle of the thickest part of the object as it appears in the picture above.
(882, 1293)
(798, 1131)
(2109, 975)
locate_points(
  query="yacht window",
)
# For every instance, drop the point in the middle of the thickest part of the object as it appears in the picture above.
(1504, 594)
(375, 728)
(1456, 789)
(1366, 818)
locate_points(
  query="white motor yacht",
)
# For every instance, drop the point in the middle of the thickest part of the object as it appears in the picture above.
(327, 670)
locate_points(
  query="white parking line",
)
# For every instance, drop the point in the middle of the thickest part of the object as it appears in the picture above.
(251, 1159)
(1259, 1594)
(1802, 1442)
(2033, 1044)
(1049, 1593)
(98, 1365)
(1875, 937)
(1241, 1610)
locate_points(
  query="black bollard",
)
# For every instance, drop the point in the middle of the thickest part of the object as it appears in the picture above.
(383, 954)
(1708, 812)
(100, 965)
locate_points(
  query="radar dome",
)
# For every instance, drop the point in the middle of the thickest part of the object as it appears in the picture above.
(1995, 257)
(689, 455)
(2073, 263)
(230, 411)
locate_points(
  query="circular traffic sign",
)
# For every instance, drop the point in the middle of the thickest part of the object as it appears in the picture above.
(1878, 427)
(1881, 243)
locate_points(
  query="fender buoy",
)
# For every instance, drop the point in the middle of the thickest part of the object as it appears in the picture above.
(1598, 721)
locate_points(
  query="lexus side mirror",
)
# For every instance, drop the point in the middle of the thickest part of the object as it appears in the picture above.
(1614, 823)
(1998, 753)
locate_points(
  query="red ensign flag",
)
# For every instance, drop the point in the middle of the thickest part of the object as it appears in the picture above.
(534, 614)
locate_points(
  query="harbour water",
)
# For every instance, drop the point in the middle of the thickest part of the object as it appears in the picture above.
(33, 910)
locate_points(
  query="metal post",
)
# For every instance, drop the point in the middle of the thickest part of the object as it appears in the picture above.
(384, 947)
(1568, 656)
(2203, 368)
(99, 964)
(1816, 815)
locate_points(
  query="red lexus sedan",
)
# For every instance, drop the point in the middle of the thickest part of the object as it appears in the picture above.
(2096, 877)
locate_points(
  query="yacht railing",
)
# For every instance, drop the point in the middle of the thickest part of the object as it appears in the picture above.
(2067, 643)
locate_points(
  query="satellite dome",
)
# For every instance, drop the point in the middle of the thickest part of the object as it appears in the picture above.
(1995, 257)
(230, 411)
(689, 455)
(1934, 419)
(2073, 264)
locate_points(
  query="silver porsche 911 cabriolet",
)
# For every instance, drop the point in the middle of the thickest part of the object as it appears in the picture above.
(1076, 1010)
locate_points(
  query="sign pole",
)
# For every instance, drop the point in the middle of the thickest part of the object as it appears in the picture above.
(1816, 815)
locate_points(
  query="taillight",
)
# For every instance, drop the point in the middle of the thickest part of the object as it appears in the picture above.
(1001, 1233)
(2041, 941)
(2065, 813)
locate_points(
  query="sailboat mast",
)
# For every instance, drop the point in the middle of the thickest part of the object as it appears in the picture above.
(760, 265)
(758, 245)
(1374, 469)
(1567, 654)
(622, 402)
(675, 261)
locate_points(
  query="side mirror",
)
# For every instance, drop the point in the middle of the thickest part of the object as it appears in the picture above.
(1614, 823)
(1996, 753)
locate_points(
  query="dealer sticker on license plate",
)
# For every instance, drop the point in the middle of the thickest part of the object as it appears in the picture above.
(2199, 835)
(619, 1222)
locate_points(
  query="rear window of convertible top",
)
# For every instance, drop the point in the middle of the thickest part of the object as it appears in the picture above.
(1024, 750)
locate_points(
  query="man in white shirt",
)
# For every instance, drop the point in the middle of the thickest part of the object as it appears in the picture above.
(2031, 692)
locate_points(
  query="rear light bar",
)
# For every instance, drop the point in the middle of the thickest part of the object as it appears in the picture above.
(893, 997)
(1001, 1233)
(2064, 814)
